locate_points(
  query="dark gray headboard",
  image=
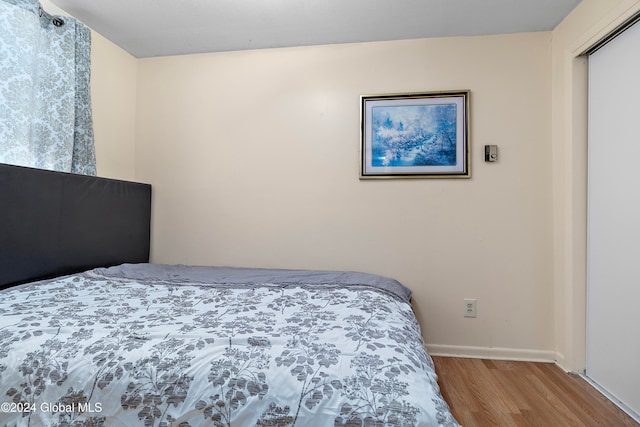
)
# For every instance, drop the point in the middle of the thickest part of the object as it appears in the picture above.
(54, 223)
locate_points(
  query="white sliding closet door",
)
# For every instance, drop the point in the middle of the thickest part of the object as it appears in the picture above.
(613, 272)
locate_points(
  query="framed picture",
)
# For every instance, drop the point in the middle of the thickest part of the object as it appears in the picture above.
(415, 135)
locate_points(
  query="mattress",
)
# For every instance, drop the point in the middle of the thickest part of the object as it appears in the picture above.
(159, 345)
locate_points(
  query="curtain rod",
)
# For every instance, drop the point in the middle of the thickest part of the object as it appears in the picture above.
(57, 21)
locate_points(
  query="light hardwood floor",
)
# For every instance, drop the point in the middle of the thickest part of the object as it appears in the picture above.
(483, 393)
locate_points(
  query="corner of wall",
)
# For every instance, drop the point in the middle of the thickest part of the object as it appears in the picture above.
(113, 93)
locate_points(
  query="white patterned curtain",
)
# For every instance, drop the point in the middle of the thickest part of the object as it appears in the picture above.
(45, 106)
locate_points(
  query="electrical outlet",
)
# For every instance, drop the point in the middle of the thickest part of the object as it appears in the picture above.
(469, 307)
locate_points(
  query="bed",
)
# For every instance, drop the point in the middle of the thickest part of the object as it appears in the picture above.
(140, 344)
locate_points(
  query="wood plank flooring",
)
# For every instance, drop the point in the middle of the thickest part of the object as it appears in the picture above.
(483, 393)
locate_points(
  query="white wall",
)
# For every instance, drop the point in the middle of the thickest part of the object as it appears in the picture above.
(254, 160)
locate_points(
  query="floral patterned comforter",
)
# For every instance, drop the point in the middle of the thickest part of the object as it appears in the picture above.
(150, 345)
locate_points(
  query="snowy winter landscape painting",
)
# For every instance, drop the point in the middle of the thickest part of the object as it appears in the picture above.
(415, 135)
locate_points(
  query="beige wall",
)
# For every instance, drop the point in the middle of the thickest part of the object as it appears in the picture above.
(113, 95)
(587, 24)
(254, 160)
(254, 157)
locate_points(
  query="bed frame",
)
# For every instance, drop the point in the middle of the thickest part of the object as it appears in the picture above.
(55, 223)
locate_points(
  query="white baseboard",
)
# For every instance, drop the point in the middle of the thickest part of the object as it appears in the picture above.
(524, 355)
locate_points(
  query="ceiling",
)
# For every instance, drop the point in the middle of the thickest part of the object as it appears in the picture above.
(147, 28)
